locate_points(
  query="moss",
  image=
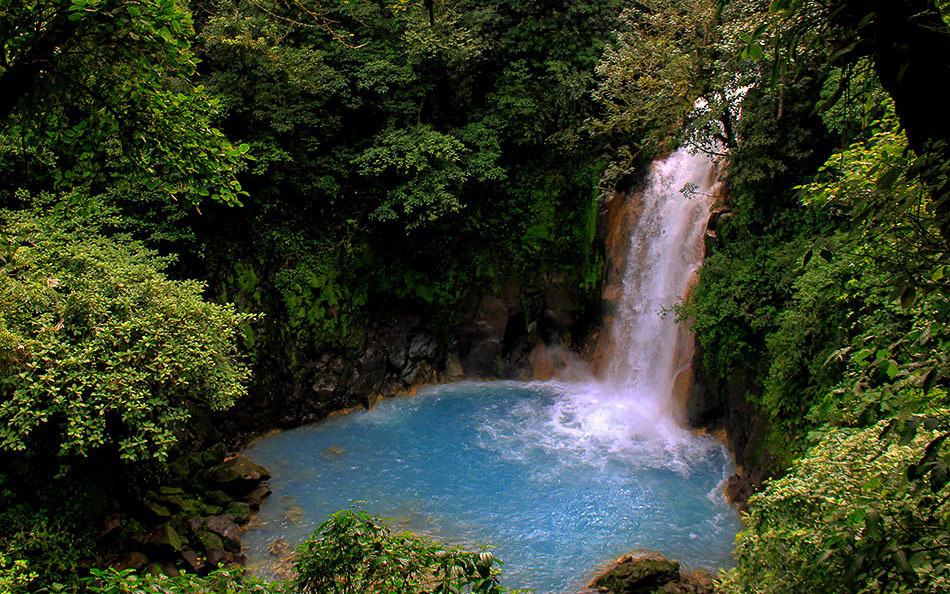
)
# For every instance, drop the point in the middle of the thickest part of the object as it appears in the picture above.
(639, 575)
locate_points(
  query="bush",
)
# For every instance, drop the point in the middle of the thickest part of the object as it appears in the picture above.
(99, 350)
(355, 552)
(846, 519)
(221, 581)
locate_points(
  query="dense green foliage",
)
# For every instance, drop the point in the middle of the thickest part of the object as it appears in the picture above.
(412, 157)
(221, 581)
(98, 92)
(354, 552)
(398, 160)
(98, 349)
(822, 528)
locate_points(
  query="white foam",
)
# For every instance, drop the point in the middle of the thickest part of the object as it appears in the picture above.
(629, 414)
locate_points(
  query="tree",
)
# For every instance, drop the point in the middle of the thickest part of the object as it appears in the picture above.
(907, 42)
(649, 76)
(100, 353)
(98, 92)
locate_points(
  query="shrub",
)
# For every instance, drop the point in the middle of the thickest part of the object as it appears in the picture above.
(847, 519)
(221, 581)
(99, 350)
(355, 552)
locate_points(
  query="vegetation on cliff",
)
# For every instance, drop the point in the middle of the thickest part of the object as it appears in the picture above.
(822, 305)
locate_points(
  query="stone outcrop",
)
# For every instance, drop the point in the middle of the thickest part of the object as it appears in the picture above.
(645, 572)
(400, 351)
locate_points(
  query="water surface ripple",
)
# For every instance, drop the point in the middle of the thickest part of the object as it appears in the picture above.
(525, 467)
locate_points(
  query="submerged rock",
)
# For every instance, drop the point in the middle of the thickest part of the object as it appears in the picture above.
(646, 572)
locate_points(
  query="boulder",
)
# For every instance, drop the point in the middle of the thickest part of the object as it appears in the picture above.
(219, 558)
(328, 376)
(164, 538)
(239, 476)
(397, 353)
(410, 374)
(324, 386)
(637, 573)
(209, 541)
(218, 497)
(240, 511)
(193, 561)
(278, 547)
(257, 496)
(170, 570)
(131, 560)
(155, 511)
(226, 528)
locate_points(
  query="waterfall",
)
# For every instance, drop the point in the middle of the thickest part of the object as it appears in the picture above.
(665, 250)
(560, 474)
(631, 407)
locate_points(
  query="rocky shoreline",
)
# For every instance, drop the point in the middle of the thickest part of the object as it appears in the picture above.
(194, 523)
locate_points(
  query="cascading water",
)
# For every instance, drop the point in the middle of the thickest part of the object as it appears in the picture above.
(559, 475)
(665, 252)
(632, 406)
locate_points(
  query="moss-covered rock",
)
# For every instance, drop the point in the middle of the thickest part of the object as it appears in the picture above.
(638, 573)
(238, 476)
(240, 511)
(164, 538)
(209, 541)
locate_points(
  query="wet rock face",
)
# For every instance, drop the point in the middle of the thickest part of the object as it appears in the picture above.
(726, 409)
(500, 333)
(646, 572)
(401, 350)
(482, 339)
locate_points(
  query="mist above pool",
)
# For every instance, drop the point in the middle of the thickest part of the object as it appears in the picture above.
(507, 464)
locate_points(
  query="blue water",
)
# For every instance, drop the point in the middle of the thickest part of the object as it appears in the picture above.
(507, 464)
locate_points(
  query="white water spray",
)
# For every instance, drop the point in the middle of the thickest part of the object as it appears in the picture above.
(665, 251)
(632, 410)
